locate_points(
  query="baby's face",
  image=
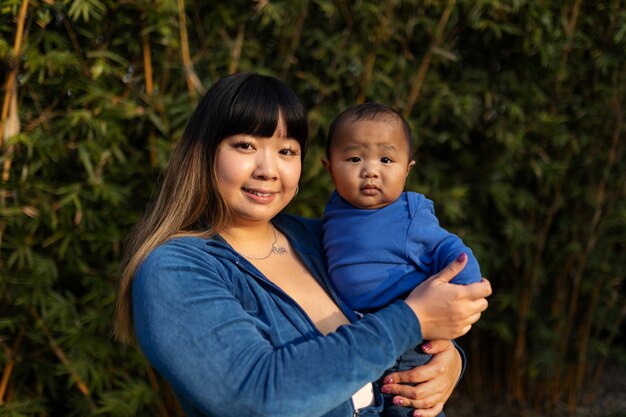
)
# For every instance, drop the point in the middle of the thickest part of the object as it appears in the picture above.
(369, 162)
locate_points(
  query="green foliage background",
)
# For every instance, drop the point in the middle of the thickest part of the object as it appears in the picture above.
(518, 110)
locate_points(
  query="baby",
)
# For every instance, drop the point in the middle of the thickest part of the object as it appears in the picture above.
(381, 242)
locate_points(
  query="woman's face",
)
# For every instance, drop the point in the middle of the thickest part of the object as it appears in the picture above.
(257, 176)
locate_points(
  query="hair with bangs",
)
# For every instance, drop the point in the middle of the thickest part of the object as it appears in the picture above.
(189, 202)
(368, 111)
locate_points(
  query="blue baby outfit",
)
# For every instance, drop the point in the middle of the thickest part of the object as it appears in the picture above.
(231, 343)
(378, 256)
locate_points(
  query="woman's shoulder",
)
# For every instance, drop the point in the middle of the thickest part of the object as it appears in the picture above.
(178, 262)
(179, 253)
(178, 246)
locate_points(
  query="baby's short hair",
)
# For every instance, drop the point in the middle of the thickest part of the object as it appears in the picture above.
(368, 111)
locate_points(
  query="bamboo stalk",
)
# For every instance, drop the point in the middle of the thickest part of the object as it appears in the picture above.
(561, 289)
(10, 86)
(583, 334)
(597, 374)
(569, 32)
(76, 46)
(345, 35)
(236, 55)
(184, 41)
(423, 69)
(369, 68)
(193, 82)
(371, 57)
(8, 367)
(562, 328)
(530, 283)
(44, 116)
(11, 129)
(613, 153)
(575, 294)
(295, 39)
(147, 65)
(60, 354)
(593, 229)
(198, 25)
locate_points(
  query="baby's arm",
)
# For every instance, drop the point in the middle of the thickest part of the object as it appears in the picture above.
(432, 247)
(449, 249)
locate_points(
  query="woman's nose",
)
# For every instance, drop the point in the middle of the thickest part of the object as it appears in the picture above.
(265, 166)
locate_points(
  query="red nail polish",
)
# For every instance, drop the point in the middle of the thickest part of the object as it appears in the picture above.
(426, 346)
(461, 257)
(388, 380)
(386, 390)
(397, 401)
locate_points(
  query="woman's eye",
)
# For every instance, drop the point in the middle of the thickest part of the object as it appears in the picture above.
(288, 152)
(243, 145)
(386, 160)
(354, 159)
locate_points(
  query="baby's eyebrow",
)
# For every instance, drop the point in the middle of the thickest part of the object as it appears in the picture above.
(350, 148)
(387, 146)
(356, 147)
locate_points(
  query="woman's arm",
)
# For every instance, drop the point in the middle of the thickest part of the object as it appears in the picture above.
(434, 381)
(223, 355)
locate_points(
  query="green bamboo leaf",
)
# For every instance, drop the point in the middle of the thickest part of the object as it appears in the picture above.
(85, 9)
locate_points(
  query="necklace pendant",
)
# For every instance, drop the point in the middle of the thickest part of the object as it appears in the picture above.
(278, 249)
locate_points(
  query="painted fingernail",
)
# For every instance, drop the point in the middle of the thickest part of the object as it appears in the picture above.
(417, 414)
(388, 380)
(426, 346)
(461, 257)
(386, 390)
(397, 401)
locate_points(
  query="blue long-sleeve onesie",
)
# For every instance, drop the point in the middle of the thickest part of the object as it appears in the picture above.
(378, 256)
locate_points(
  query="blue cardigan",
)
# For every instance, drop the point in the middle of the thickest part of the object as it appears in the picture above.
(231, 343)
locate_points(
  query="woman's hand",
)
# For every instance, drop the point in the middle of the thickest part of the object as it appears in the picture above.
(435, 380)
(445, 310)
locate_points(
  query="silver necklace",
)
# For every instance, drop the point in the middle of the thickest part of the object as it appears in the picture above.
(274, 249)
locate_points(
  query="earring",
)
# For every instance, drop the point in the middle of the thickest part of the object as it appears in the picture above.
(297, 189)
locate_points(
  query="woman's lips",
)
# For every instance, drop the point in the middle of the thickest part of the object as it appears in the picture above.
(260, 195)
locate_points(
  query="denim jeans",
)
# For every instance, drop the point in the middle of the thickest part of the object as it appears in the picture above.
(409, 360)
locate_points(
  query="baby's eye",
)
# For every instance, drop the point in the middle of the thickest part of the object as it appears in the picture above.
(386, 160)
(354, 159)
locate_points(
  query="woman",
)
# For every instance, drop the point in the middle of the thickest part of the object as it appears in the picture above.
(230, 299)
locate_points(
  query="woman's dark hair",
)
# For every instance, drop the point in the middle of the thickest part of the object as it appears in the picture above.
(189, 202)
(250, 104)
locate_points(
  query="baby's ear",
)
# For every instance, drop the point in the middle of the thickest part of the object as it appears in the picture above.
(411, 165)
(326, 164)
